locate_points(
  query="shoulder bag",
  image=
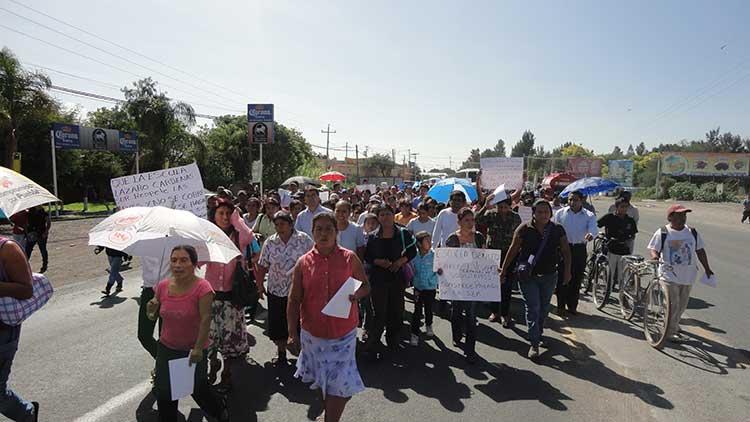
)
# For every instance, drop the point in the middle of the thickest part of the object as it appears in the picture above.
(524, 267)
(14, 311)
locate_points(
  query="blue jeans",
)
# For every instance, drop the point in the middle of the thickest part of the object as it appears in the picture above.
(12, 406)
(537, 293)
(114, 271)
(464, 321)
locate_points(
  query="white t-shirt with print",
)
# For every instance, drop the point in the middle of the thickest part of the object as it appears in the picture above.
(679, 262)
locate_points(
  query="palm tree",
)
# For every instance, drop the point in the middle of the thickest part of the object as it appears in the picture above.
(159, 119)
(22, 93)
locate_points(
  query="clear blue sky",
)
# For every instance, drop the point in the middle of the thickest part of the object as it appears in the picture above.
(436, 77)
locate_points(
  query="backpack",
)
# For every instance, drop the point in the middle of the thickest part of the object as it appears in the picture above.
(665, 232)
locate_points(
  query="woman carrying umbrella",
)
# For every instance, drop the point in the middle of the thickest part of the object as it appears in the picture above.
(327, 344)
(228, 332)
(183, 302)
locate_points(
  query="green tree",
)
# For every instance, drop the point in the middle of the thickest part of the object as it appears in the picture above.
(497, 151)
(473, 160)
(289, 153)
(23, 95)
(525, 145)
(382, 163)
(640, 149)
(159, 121)
(631, 151)
(616, 154)
(575, 150)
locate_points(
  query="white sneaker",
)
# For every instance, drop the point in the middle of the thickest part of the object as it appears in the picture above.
(534, 352)
(430, 334)
(414, 340)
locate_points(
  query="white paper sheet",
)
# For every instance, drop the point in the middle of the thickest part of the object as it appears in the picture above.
(286, 197)
(339, 306)
(500, 195)
(181, 378)
(324, 195)
(709, 281)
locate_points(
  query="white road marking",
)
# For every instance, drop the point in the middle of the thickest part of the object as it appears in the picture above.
(112, 404)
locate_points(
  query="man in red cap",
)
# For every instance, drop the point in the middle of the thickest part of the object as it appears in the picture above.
(677, 246)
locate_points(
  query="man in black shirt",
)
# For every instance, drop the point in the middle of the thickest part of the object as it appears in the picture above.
(620, 229)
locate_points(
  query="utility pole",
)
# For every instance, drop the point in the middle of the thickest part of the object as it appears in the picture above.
(346, 153)
(328, 133)
(393, 156)
(450, 163)
(356, 155)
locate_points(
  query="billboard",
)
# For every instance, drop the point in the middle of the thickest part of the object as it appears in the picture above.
(81, 137)
(705, 164)
(260, 123)
(621, 171)
(584, 167)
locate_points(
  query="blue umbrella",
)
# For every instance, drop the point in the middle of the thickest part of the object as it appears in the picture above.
(590, 186)
(441, 192)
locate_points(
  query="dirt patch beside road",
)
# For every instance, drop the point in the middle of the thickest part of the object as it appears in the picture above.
(71, 259)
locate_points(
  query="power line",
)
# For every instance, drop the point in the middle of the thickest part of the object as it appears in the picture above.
(100, 97)
(68, 24)
(83, 55)
(125, 59)
(118, 88)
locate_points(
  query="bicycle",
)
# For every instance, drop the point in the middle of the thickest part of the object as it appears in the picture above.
(654, 299)
(589, 271)
(601, 283)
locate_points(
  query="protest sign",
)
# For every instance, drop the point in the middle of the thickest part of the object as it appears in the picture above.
(286, 197)
(499, 170)
(371, 188)
(468, 274)
(180, 188)
(621, 171)
(525, 213)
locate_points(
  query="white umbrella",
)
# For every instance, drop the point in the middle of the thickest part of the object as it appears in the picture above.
(154, 231)
(18, 192)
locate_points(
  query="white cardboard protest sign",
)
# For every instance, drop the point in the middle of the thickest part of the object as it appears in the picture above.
(525, 213)
(499, 170)
(286, 197)
(371, 188)
(180, 188)
(468, 274)
(500, 195)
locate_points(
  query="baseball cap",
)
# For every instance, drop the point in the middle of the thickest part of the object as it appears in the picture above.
(677, 208)
(376, 198)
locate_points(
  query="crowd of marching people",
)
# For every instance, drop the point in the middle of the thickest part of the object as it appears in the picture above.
(299, 250)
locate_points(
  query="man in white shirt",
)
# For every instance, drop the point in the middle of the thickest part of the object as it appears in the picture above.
(580, 227)
(350, 235)
(154, 270)
(677, 246)
(423, 222)
(447, 221)
(304, 219)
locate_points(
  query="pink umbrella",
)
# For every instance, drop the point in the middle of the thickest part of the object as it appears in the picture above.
(332, 176)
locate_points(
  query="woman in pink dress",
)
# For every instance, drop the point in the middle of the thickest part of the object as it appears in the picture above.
(228, 330)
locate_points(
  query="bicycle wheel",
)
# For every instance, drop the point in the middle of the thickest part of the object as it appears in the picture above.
(631, 284)
(656, 315)
(588, 275)
(601, 285)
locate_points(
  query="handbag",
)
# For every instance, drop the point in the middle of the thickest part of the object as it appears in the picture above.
(15, 311)
(524, 267)
(407, 270)
(244, 290)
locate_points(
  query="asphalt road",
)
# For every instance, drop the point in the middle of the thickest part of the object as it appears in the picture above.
(80, 358)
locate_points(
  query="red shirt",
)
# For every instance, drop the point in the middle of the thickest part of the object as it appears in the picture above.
(180, 315)
(322, 277)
